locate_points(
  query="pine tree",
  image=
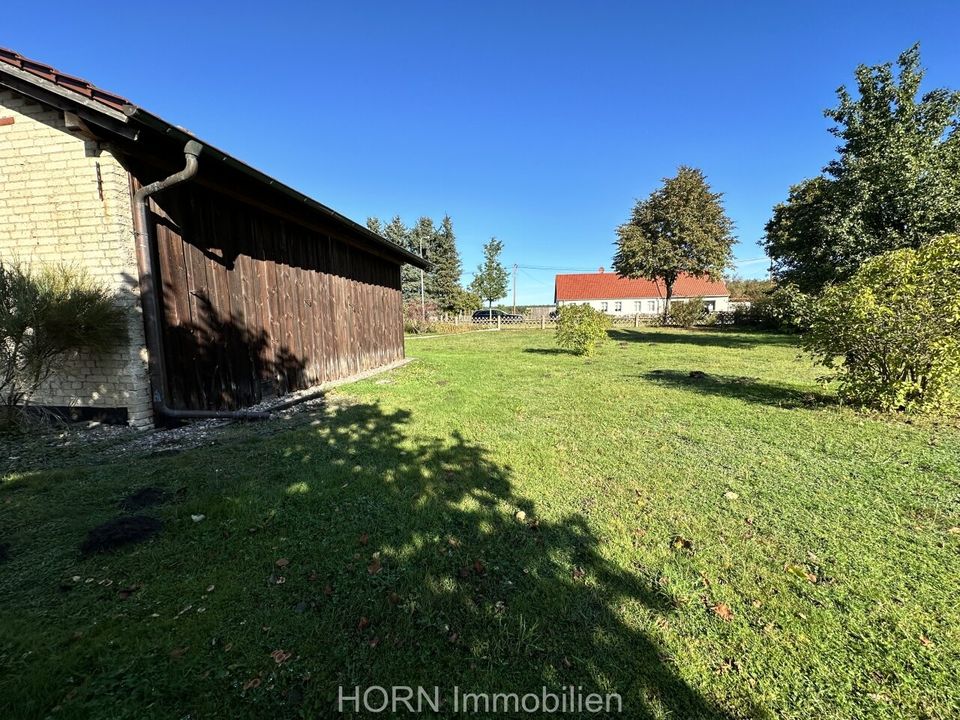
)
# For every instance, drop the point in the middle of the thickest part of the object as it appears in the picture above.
(443, 284)
(374, 225)
(490, 281)
(420, 242)
(395, 231)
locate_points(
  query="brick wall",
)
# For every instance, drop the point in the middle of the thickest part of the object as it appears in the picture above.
(65, 199)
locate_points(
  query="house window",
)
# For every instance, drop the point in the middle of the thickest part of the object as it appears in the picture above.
(618, 306)
(651, 305)
(604, 306)
(710, 306)
(638, 305)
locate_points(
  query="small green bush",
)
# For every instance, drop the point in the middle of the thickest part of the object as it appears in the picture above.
(687, 313)
(581, 329)
(784, 308)
(45, 316)
(892, 332)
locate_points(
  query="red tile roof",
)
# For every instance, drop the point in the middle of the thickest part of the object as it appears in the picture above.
(610, 286)
(68, 82)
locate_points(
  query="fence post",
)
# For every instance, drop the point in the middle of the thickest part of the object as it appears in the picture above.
(541, 322)
(498, 322)
(636, 320)
(456, 319)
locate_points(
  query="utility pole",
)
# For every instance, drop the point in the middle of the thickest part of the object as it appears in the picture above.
(514, 288)
(423, 305)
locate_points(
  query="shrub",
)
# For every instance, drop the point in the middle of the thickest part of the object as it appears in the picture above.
(45, 316)
(687, 314)
(892, 332)
(581, 329)
(783, 308)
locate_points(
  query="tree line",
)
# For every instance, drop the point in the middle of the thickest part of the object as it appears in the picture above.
(440, 286)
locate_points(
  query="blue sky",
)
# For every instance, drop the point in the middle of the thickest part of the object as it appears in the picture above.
(537, 122)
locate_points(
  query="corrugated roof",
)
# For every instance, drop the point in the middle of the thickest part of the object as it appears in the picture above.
(610, 286)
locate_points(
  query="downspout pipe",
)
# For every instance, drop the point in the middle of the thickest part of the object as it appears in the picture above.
(150, 300)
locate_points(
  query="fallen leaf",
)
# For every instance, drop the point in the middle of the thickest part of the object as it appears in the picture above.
(282, 563)
(197, 518)
(800, 572)
(374, 642)
(578, 572)
(280, 657)
(681, 543)
(925, 641)
(179, 652)
(211, 588)
(363, 624)
(251, 684)
(730, 495)
(479, 568)
(374, 567)
(363, 539)
(393, 598)
(328, 589)
(723, 611)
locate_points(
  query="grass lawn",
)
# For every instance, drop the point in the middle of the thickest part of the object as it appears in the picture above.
(724, 547)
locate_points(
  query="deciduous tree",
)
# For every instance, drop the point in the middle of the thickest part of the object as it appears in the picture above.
(680, 228)
(490, 281)
(895, 183)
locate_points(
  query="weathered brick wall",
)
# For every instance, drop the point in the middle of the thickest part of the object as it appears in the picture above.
(66, 199)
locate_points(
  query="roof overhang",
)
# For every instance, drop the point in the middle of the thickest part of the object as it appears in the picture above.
(135, 125)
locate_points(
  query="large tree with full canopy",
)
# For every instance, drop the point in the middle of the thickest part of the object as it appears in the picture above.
(894, 184)
(680, 228)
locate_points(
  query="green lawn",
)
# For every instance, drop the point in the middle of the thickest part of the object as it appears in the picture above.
(725, 547)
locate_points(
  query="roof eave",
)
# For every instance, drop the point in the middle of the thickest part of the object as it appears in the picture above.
(49, 93)
(149, 120)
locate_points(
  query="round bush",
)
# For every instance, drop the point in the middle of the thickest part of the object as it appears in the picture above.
(581, 329)
(892, 332)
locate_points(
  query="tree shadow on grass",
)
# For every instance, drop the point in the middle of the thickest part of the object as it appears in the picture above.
(733, 338)
(407, 563)
(741, 387)
(486, 598)
(549, 351)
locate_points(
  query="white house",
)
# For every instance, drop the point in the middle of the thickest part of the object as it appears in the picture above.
(616, 295)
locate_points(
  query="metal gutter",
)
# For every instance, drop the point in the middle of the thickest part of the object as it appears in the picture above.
(149, 120)
(150, 299)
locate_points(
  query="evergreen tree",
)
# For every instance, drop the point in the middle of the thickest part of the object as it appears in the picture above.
(395, 231)
(490, 281)
(443, 284)
(374, 225)
(680, 228)
(420, 242)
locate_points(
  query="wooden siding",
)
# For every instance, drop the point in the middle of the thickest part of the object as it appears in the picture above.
(257, 305)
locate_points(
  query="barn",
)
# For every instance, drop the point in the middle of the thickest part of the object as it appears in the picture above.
(238, 288)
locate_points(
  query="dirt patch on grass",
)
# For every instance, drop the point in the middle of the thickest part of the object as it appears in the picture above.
(119, 532)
